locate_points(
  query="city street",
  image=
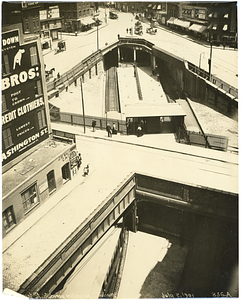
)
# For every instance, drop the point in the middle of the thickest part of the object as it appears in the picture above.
(224, 61)
(110, 162)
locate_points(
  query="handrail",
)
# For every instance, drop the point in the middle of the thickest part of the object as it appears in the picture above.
(215, 80)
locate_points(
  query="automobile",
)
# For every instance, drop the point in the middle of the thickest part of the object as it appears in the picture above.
(61, 46)
(113, 15)
(151, 30)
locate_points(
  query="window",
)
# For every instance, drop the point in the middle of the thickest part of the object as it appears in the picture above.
(8, 218)
(4, 103)
(51, 181)
(29, 198)
(41, 118)
(5, 64)
(26, 25)
(165, 119)
(66, 172)
(38, 88)
(7, 137)
(33, 56)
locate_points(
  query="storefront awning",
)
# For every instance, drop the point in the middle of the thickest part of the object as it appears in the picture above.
(163, 110)
(197, 28)
(171, 20)
(181, 23)
(87, 21)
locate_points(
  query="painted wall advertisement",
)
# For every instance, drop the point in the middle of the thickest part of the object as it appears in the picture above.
(23, 108)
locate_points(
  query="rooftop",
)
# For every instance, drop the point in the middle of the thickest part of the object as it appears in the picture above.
(43, 154)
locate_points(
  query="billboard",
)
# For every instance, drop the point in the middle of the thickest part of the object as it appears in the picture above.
(24, 122)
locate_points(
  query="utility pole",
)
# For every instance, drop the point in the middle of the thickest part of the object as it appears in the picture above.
(82, 97)
(210, 57)
(97, 24)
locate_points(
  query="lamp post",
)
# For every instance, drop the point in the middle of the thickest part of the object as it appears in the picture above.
(210, 60)
(97, 25)
(82, 98)
(199, 66)
(211, 54)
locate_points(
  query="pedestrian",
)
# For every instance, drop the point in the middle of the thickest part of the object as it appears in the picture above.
(114, 131)
(79, 160)
(93, 124)
(139, 131)
(127, 30)
(86, 170)
(58, 75)
(128, 126)
(108, 129)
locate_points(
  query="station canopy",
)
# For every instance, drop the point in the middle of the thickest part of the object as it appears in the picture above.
(197, 28)
(145, 110)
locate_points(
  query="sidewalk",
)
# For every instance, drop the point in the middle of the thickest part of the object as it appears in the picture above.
(165, 142)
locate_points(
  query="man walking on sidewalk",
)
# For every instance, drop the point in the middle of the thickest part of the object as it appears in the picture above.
(108, 129)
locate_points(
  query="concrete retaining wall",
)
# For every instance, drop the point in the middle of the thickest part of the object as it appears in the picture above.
(197, 88)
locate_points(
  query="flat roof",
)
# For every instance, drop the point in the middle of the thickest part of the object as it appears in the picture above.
(163, 110)
(42, 154)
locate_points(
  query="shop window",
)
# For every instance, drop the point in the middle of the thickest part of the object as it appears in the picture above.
(33, 56)
(7, 137)
(41, 118)
(165, 119)
(66, 172)
(4, 104)
(51, 181)
(8, 218)
(29, 198)
(5, 64)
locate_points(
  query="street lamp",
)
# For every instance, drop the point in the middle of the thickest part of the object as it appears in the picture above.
(82, 98)
(210, 59)
(97, 25)
(200, 60)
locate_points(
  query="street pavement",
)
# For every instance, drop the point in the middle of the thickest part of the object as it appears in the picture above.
(224, 61)
(110, 162)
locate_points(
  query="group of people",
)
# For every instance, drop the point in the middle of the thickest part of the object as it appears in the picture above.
(79, 163)
(110, 130)
(129, 30)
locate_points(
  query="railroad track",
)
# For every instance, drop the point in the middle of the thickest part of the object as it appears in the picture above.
(111, 91)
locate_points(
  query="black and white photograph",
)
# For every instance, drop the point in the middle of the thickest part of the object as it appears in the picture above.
(120, 161)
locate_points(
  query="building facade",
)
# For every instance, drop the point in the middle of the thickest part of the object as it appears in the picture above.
(77, 16)
(33, 165)
(212, 21)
